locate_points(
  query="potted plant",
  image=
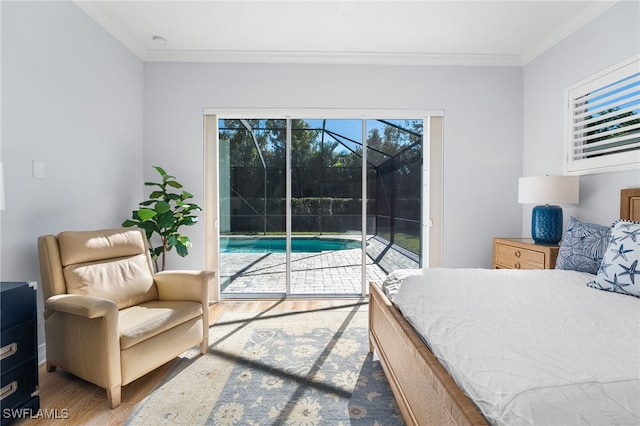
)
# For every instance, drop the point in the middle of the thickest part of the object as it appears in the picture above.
(164, 213)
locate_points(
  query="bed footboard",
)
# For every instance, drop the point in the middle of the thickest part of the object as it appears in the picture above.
(425, 392)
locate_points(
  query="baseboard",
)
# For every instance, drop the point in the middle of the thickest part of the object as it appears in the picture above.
(42, 353)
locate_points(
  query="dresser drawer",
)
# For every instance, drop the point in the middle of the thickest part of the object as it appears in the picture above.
(17, 304)
(17, 344)
(18, 385)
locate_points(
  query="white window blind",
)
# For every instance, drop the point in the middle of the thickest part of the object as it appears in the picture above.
(603, 121)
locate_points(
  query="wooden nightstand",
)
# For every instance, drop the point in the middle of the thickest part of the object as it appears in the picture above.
(523, 253)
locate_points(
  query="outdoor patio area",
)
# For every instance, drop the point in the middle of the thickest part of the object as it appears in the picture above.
(325, 273)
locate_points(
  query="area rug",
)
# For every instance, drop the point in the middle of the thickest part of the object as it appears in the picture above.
(311, 368)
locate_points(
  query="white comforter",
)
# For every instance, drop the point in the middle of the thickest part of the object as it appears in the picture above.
(531, 347)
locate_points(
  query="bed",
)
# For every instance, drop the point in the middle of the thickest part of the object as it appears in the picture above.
(424, 388)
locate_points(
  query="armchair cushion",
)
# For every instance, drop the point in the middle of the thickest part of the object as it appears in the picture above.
(91, 246)
(126, 281)
(139, 323)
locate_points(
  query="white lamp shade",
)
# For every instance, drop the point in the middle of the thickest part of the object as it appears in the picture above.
(549, 190)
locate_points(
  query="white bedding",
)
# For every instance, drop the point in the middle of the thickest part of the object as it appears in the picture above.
(531, 347)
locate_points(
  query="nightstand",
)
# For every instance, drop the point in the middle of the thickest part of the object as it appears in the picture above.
(19, 351)
(523, 253)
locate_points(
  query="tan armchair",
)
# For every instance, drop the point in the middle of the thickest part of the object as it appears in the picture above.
(108, 318)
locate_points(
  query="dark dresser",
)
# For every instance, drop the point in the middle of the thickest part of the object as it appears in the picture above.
(18, 351)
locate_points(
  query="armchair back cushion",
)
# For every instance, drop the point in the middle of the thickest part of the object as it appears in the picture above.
(112, 264)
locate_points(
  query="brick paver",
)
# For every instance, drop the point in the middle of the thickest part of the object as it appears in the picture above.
(330, 272)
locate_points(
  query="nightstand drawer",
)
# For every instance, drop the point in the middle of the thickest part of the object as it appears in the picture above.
(518, 258)
(512, 262)
(523, 253)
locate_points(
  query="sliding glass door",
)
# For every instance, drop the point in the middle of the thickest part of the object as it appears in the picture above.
(316, 207)
(326, 207)
(252, 174)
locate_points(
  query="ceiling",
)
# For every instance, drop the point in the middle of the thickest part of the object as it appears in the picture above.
(450, 32)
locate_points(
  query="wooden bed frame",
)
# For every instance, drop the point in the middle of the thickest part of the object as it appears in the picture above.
(423, 389)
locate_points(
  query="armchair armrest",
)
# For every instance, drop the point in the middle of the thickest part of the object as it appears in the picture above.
(82, 338)
(184, 285)
(188, 285)
(84, 306)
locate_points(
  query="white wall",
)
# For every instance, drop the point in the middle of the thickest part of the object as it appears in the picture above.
(71, 98)
(482, 131)
(607, 40)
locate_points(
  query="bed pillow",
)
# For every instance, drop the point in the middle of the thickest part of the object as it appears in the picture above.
(583, 246)
(620, 268)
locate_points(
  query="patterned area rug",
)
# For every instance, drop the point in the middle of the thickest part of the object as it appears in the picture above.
(311, 368)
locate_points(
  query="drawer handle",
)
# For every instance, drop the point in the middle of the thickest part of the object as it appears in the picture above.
(8, 390)
(517, 253)
(8, 350)
(517, 265)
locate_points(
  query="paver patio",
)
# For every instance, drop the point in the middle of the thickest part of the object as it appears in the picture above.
(327, 273)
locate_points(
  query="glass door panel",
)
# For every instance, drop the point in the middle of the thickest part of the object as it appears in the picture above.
(326, 207)
(252, 207)
(394, 186)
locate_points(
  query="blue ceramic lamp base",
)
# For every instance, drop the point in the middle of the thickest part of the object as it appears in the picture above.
(546, 224)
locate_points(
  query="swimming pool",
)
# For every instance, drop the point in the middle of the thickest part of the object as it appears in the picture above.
(278, 244)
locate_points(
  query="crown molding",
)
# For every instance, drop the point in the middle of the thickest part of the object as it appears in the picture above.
(91, 9)
(572, 26)
(344, 58)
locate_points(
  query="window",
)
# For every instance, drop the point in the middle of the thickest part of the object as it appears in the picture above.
(603, 121)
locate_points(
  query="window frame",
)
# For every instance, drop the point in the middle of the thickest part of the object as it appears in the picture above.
(606, 162)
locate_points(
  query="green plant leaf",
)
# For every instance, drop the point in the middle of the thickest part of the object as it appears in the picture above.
(128, 223)
(189, 220)
(166, 219)
(156, 252)
(182, 250)
(162, 206)
(160, 170)
(145, 214)
(174, 184)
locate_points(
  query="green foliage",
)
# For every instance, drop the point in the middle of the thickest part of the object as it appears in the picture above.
(164, 213)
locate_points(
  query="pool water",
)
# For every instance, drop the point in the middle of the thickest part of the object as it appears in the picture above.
(278, 245)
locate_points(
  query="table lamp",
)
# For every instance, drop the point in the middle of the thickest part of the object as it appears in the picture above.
(547, 191)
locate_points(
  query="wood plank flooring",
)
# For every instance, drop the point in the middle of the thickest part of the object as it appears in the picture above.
(66, 399)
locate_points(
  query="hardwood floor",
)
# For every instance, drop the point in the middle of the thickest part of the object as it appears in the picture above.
(66, 399)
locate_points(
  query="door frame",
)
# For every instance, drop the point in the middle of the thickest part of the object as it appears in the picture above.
(432, 216)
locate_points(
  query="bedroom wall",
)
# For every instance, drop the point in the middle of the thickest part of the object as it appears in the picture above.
(482, 131)
(607, 40)
(72, 99)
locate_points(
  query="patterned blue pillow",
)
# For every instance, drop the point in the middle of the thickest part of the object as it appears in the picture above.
(620, 269)
(583, 246)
